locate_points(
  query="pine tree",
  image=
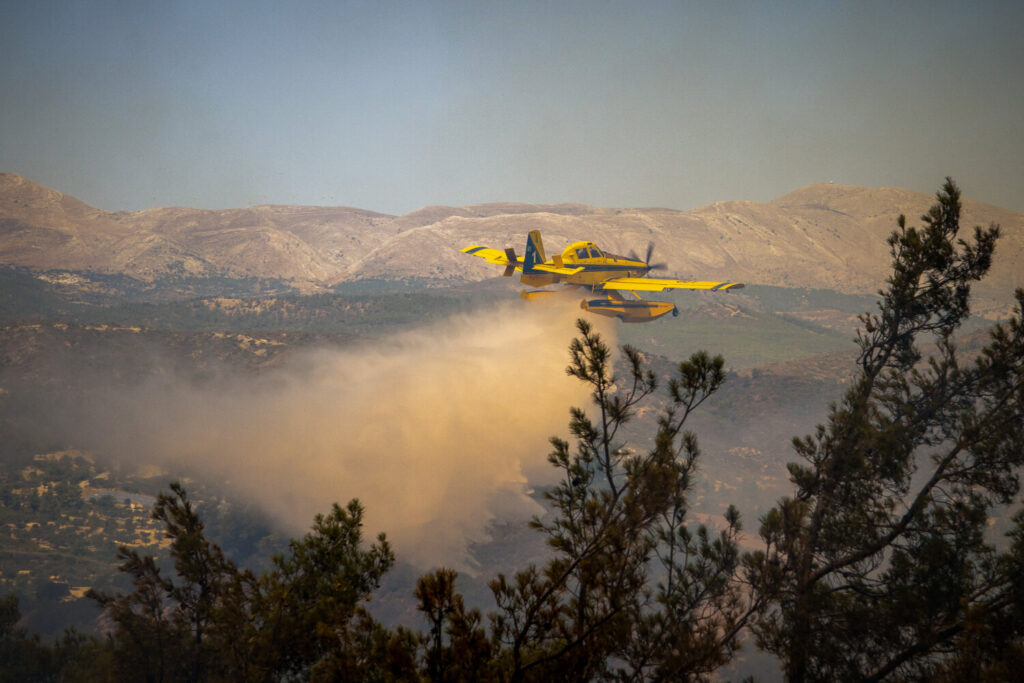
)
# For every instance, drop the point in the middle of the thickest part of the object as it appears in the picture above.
(310, 605)
(879, 565)
(457, 647)
(169, 629)
(617, 519)
(212, 621)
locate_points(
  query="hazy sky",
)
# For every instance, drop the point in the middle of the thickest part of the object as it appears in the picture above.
(392, 106)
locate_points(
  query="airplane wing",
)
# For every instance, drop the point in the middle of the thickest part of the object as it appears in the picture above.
(653, 284)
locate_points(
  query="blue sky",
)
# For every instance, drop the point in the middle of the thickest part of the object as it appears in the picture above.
(391, 106)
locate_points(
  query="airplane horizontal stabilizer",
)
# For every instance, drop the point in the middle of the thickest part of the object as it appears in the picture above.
(496, 256)
(545, 268)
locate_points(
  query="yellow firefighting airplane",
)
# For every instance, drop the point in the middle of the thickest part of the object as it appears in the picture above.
(582, 264)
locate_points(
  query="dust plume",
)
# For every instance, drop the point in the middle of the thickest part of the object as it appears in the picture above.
(437, 431)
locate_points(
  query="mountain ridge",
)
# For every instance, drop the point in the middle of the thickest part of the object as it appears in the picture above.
(821, 235)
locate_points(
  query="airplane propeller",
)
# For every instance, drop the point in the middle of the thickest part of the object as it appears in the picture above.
(647, 258)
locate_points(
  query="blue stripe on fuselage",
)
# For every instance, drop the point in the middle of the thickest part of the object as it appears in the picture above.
(596, 266)
(621, 303)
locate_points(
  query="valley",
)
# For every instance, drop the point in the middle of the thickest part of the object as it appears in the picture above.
(84, 324)
(57, 349)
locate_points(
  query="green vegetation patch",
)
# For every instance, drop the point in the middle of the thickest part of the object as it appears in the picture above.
(746, 337)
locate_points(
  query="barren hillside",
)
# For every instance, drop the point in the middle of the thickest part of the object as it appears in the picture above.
(822, 235)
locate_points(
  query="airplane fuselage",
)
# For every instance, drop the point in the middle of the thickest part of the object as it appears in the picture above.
(596, 266)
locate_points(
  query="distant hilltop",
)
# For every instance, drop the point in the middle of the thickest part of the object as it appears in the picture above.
(822, 236)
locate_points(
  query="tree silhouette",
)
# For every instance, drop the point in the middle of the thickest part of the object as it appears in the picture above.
(617, 519)
(213, 621)
(879, 564)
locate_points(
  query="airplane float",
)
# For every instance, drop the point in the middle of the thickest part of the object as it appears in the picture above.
(583, 264)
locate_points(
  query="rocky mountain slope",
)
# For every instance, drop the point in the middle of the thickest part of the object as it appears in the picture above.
(822, 235)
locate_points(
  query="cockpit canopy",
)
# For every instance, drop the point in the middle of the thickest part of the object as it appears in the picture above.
(582, 250)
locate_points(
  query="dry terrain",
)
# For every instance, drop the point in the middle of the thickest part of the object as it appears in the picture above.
(823, 236)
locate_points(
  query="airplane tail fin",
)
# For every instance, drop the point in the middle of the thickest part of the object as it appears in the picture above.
(534, 251)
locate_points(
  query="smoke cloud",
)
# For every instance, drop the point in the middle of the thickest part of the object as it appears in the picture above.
(438, 431)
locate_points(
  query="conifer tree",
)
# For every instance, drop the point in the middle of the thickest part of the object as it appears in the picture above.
(310, 605)
(166, 629)
(211, 621)
(593, 611)
(880, 564)
(457, 647)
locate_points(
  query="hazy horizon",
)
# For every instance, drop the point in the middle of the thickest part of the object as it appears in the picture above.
(391, 106)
